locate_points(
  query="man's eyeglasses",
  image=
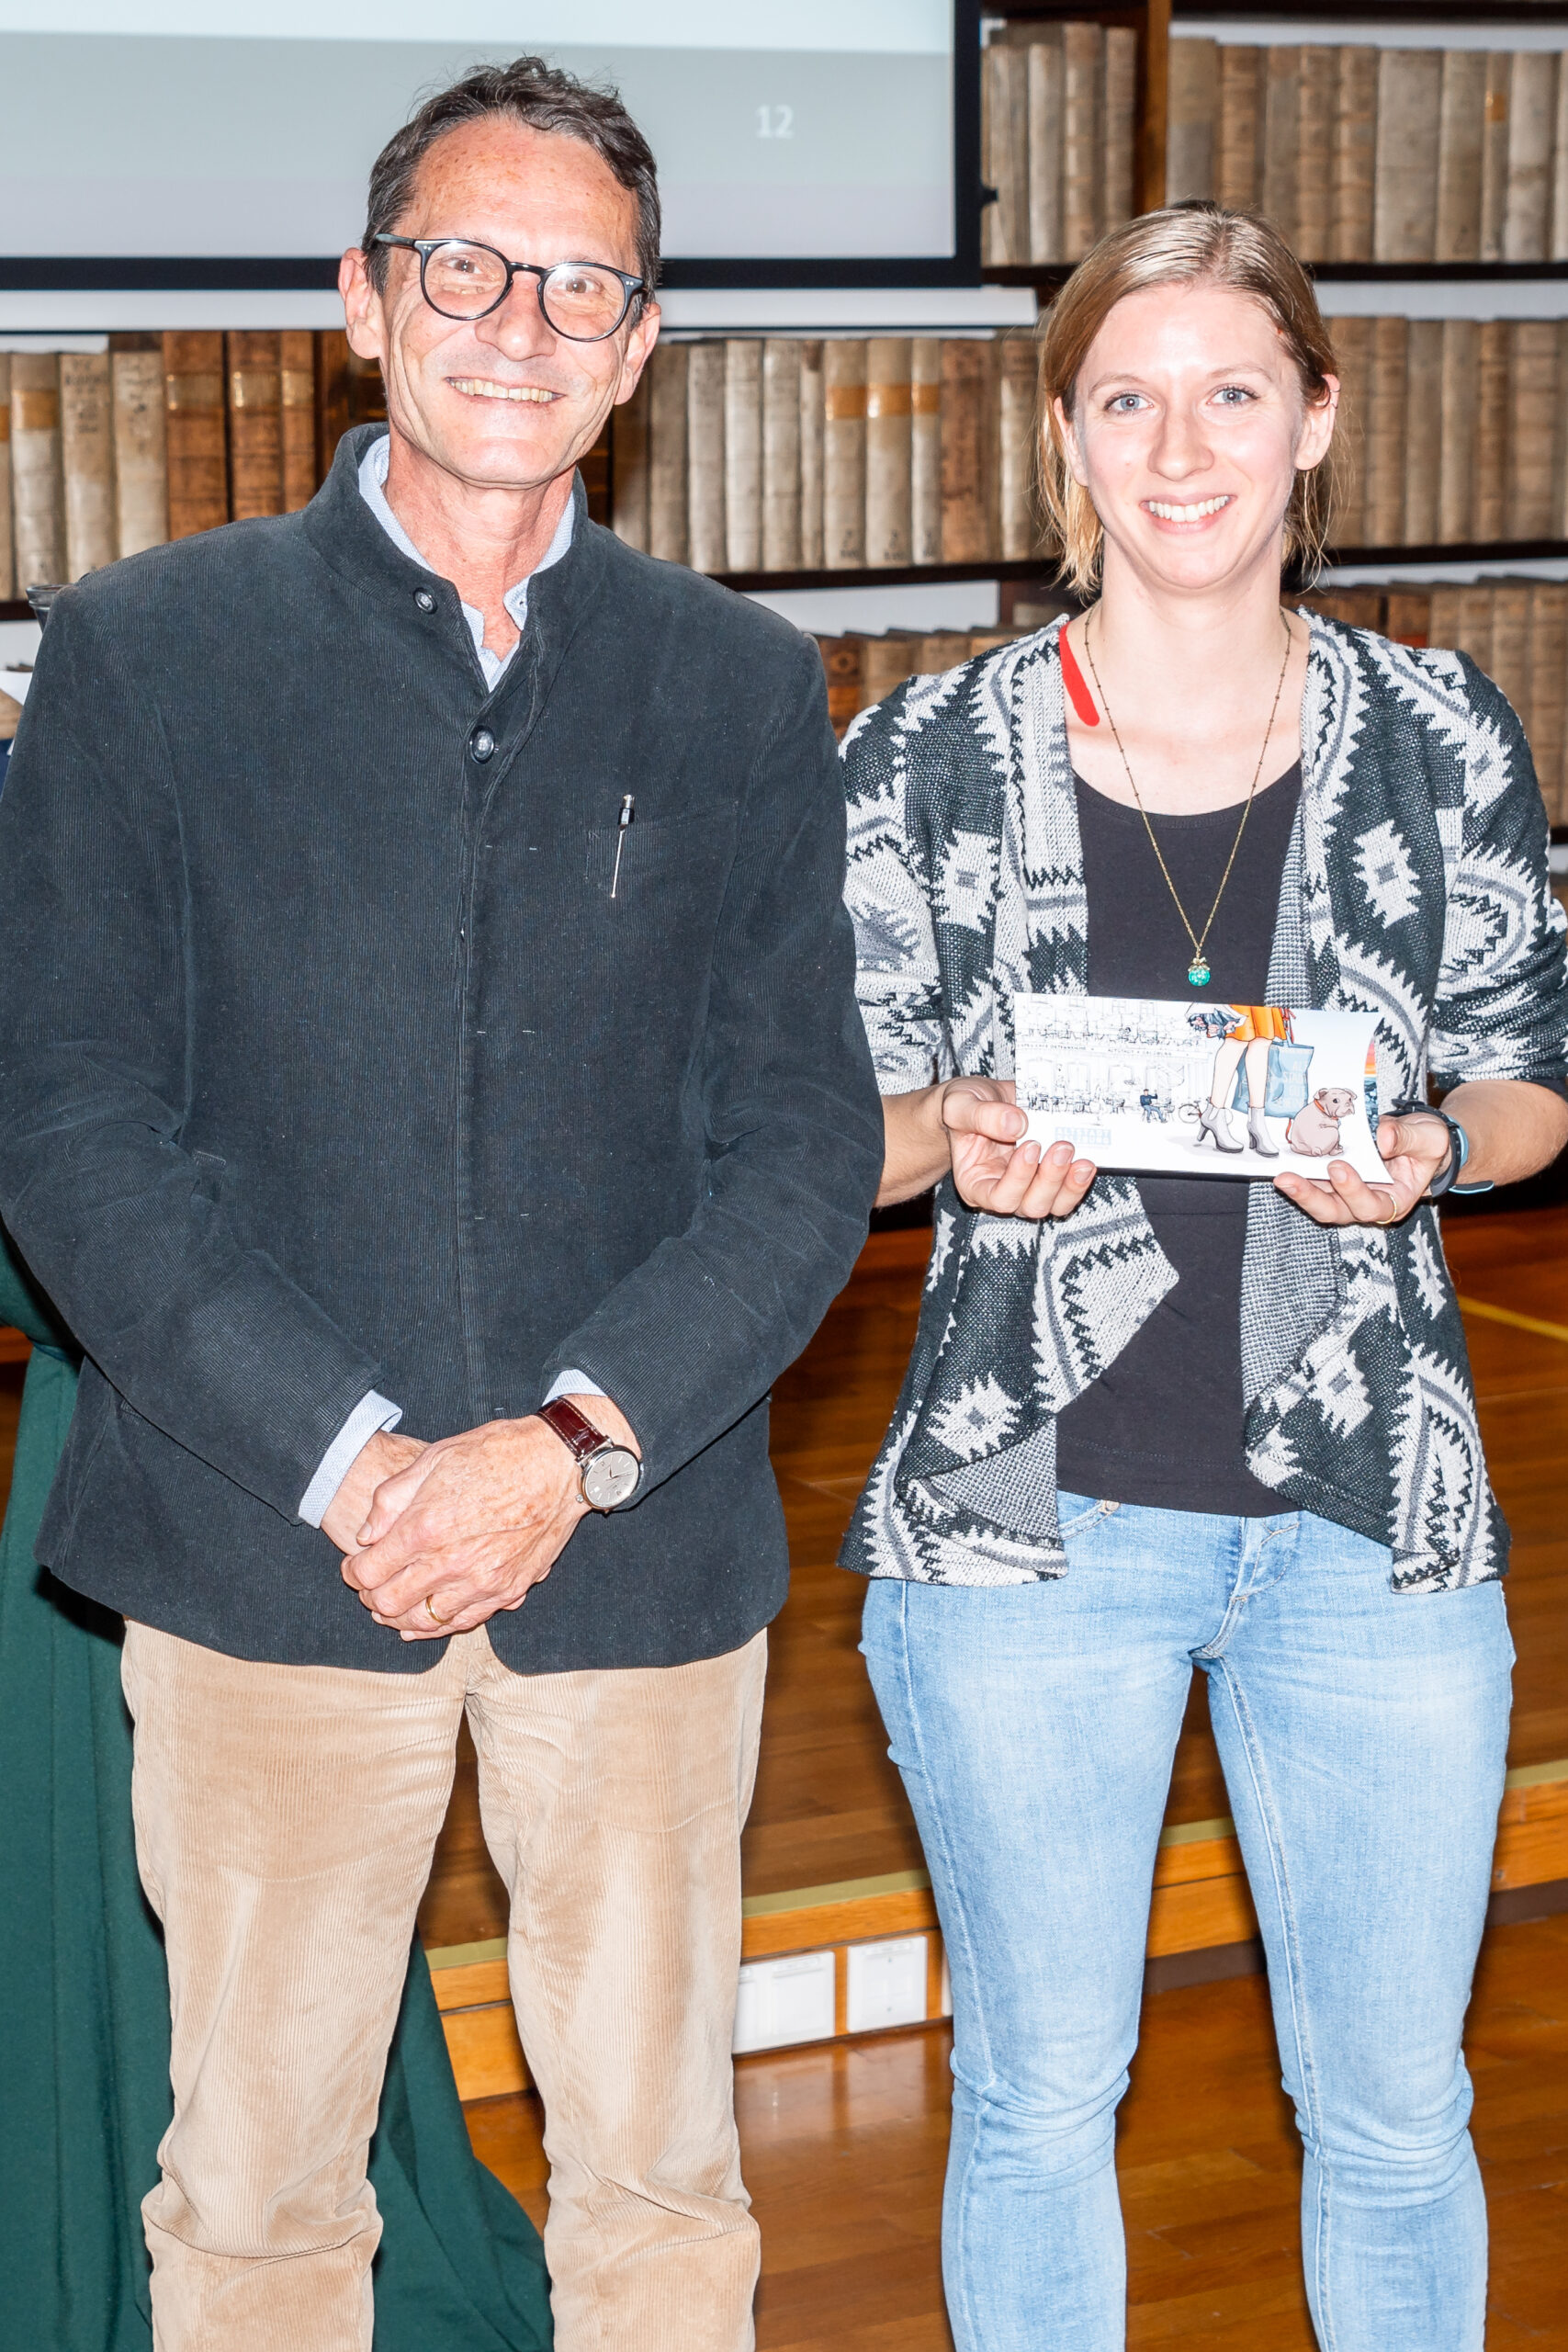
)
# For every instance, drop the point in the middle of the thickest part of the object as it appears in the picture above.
(584, 300)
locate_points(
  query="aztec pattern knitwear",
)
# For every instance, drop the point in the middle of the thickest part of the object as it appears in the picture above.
(1415, 889)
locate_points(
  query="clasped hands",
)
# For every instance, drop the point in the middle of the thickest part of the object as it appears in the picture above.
(435, 1537)
(995, 1170)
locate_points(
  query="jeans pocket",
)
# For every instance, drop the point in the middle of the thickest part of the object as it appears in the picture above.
(1075, 1512)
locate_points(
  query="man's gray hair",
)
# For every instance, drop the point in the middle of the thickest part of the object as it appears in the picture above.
(527, 91)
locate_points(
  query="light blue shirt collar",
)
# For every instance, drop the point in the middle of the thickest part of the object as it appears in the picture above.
(373, 490)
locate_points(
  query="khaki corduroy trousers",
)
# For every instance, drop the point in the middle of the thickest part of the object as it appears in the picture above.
(286, 1818)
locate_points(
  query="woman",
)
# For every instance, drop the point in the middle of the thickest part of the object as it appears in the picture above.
(1191, 1421)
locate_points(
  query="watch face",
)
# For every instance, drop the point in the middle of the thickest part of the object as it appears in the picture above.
(611, 1477)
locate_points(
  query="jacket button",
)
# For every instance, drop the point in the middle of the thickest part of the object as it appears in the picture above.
(482, 742)
(424, 600)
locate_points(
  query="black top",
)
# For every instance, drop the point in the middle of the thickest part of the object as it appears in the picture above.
(1162, 1424)
(328, 1061)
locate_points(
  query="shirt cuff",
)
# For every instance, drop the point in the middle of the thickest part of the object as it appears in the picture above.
(572, 1382)
(372, 1414)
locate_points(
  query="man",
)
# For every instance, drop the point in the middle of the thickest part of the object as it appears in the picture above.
(426, 994)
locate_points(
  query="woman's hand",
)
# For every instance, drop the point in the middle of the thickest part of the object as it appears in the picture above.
(992, 1169)
(1414, 1150)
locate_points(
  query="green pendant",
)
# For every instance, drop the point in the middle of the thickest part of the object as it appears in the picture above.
(1198, 973)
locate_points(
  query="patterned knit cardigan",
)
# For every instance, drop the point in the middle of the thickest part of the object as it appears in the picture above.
(1414, 888)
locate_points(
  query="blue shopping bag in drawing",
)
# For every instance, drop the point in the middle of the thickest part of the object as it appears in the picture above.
(1287, 1088)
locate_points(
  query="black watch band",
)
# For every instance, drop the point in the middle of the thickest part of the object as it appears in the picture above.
(1447, 1178)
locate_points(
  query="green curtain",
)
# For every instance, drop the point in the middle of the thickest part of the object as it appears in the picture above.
(85, 2035)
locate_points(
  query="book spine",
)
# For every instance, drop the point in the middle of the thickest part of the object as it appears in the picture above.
(885, 662)
(255, 424)
(925, 447)
(1549, 689)
(195, 428)
(667, 452)
(1407, 616)
(1404, 202)
(1456, 485)
(7, 557)
(705, 545)
(86, 460)
(1004, 70)
(1495, 152)
(1237, 166)
(1352, 341)
(1018, 371)
(1355, 152)
(297, 384)
(38, 510)
(1282, 137)
(1119, 135)
(1385, 433)
(841, 662)
(331, 395)
(366, 392)
(628, 468)
(141, 457)
(1560, 169)
(1474, 635)
(1045, 77)
(1532, 108)
(1424, 431)
(781, 454)
(1560, 451)
(1489, 503)
(813, 425)
(1193, 119)
(1083, 51)
(1315, 188)
(1461, 123)
(1443, 627)
(964, 535)
(890, 485)
(1510, 643)
(843, 455)
(1533, 402)
(743, 453)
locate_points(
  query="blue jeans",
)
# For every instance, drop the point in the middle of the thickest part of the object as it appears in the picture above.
(1362, 1735)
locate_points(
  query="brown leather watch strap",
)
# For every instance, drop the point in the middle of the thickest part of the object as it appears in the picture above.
(575, 1431)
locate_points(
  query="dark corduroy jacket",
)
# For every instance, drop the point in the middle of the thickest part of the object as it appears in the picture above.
(328, 1061)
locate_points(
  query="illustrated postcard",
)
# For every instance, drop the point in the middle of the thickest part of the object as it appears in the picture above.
(1173, 1087)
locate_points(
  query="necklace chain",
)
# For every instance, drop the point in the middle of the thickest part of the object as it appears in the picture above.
(1198, 971)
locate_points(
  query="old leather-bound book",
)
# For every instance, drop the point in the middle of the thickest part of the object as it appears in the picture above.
(1534, 401)
(743, 454)
(255, 424)
(885, 662)
(7, 564)
(1473, 634)
(1119, 92)
(890, 485)
(1405, 205)
(1549, 689)
(1193, 119)
(1004, 90)
(813, 407)
(1461, 124)
(37, 506)
(781, 454)
(944, 650)
(925, 449)
(86, 460)
(141, 457)
(297, 375)
(965, 500)
(1385, 433)
(1355, 152)
(1511, 643)
(197, 432)
(1018, 362)
(842, 661)
(1460, 393)
(1352, 341)
(1558, 247)
(843, 454)
(1282, 136)
(1083, 52)
(704, 457)
(1046, 94)
(1489, 500)
(667, 452)
(1314, 162)
(332, 395)
(1236, 164)
(628, 468)
(1442, 628)
(1407, 616)
(1532, 108)
(1495, 152)
(1424, 431)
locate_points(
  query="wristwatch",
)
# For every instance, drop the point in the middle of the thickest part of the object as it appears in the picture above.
(608, 1474)
(1448, 1176)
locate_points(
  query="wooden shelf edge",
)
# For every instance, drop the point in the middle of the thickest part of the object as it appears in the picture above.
(1047, 276)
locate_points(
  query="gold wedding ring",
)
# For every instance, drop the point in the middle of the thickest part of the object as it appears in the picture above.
(430, 1612)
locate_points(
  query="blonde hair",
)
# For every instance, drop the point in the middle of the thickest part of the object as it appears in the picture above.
(1189, 244)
